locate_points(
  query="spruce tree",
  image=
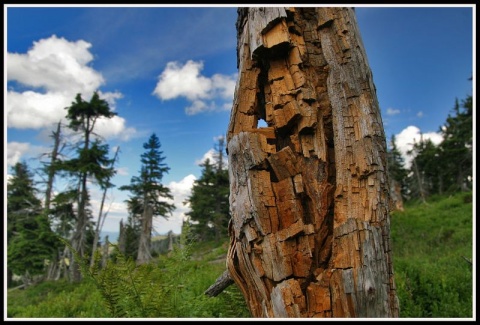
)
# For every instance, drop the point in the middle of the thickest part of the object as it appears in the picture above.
(149, 195)
(209, 206)
(89, 163)
(456, 149)
(31, 243)
(396, 169)
(426, 170)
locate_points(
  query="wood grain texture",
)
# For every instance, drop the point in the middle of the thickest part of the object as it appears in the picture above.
(309, 194)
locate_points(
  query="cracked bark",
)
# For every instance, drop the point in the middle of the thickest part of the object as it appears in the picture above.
(310, 229)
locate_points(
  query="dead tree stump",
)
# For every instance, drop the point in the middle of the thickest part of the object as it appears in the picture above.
(310, 228)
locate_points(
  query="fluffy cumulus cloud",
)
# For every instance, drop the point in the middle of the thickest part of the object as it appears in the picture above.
(180, 191)
(114, 127)
(408, 136)
(51, 74)
(55, 64)
(212, 153)
(34, 110)
(204, 93)
(15, 150)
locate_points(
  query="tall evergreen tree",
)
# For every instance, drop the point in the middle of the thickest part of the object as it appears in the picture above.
(132, 230)
(149, 195)
(397, 174)
(202, 202)
(209, 205)
(30, 241)
(426, 171)
(456, 149)
(90, 162)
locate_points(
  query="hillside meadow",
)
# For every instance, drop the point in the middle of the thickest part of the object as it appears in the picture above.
(432, 252)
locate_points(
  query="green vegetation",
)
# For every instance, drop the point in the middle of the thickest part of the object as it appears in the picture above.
(209, 199)
(432, 246)
(28, 230)
(171, 286)
(147, 200)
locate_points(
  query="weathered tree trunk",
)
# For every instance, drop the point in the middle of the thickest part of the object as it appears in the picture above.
(396, 195)
(310, 228)
(170, 241)
(144, 255)
(79, 236)
(122, 238)
(51, 169)
(106, 251)
(101, 216)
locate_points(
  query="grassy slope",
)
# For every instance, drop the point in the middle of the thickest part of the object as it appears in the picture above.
(177, 291)
(430, 244)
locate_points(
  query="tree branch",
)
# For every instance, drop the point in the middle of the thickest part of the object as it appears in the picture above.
(466, 259)
(222, 282)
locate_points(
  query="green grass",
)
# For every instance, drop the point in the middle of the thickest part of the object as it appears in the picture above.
(431, 243)
(56, 299)
(170, 287)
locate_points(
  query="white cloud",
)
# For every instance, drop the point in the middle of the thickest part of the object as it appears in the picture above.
(207, 155)
(110, 98)
(420, 114)
(199, 106)
(408, 136)
(15, 150)
(54, 71)
(392, 111)
(180, 192)
(32, 110)
(177, 80)
(114, 128)
(24, 150)
(224, 85)
(210, 154)
(186, 81)
(55, 64)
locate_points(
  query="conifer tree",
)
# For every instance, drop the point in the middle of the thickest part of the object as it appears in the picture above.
(209, 206)
(397, 175)
(90, 162)
(456, 149)
(426, 171)
(30, 241)
(149, 195)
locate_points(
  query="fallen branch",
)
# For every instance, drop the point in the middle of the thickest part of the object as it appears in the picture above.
(222, 282)
(22, 286)
(466, 259)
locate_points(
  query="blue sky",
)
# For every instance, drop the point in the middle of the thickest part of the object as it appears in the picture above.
(172, 71)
